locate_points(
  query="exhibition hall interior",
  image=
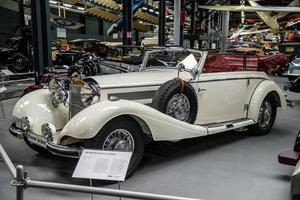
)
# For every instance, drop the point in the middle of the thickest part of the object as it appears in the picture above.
(149, 99)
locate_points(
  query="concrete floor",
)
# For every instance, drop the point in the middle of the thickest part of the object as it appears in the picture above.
(228, 166)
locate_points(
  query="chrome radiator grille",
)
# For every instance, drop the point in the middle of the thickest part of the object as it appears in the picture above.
(76, 104)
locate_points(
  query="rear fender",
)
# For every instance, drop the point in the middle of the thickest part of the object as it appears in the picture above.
(263, 89)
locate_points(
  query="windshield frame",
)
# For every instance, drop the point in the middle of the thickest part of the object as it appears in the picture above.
(147, 55)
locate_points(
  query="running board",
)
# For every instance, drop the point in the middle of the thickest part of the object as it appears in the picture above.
(217, 128)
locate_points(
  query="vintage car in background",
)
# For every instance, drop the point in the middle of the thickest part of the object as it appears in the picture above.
(62, 57)
(293, 71)
(117, 61)
(289, 49)
(89, 45)
(16, 54)
(293, 74)
(293, 86)
(170, 100)
(292, 158)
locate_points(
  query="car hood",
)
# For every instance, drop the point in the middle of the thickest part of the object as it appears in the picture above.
(150, 77)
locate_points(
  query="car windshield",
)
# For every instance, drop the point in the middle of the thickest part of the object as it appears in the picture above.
(168, 59)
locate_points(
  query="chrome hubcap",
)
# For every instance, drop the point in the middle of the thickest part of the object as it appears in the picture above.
(119, 140)
(179, 107)
(19, 62)
(265, 114)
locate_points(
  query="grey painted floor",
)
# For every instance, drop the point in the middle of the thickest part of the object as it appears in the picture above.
(229, 166)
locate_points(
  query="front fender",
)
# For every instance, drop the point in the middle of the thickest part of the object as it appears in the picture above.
(39, 107)
(88, 122)
(262, 90)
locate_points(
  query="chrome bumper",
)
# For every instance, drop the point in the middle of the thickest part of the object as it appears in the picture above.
(15, 131)
(56, 149)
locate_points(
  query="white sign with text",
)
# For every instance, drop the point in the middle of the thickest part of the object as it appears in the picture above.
(61, 32)
(102, 165)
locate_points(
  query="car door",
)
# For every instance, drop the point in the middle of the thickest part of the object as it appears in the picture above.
(221, 99)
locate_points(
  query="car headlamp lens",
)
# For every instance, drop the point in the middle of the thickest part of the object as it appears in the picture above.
(25, 123)
(90, 94)
(55, 85)
(48, 130)
(60, 96)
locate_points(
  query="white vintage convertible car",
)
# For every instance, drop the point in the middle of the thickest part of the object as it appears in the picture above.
(163, 102)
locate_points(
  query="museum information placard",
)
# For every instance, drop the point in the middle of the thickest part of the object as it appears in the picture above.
(102, 165)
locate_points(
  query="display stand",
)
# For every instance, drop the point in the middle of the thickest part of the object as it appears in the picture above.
(91, 184)
(102, 165)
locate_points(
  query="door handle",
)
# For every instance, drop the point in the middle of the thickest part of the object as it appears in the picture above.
(201, 89)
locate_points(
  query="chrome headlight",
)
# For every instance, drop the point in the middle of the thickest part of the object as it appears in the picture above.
(55, 85)
(60, 96)
(90, 94)
(25, 123)
(48, 130)
(58, 91)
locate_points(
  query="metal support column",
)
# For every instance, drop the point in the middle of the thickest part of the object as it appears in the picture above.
(19, 182)
(127, 22)
(137, 38)
(177, 7)
(209, 17)
(192, 31)
(181, 23)
(225, 29)
(202, 27)
(21, 13)
(41, 36)
(162, 23)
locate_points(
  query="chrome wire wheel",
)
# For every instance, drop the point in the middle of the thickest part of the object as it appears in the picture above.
(265, 114)
(19, 62)
(119, 140)
(178, 107)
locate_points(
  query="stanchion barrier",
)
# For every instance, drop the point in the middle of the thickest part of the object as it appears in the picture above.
(21, 181)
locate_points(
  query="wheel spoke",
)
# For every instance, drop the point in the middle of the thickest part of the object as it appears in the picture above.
(178, 107)
(265, 114)
(119, 140)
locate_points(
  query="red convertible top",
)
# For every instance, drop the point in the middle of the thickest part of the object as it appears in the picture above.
(234, 62)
